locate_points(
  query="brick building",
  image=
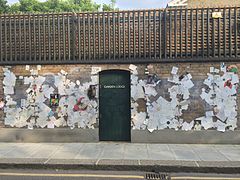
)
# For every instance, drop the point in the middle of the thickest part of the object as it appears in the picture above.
(166, 75)
(202, 3)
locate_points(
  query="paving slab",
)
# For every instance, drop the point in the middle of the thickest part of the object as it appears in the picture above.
(67, 150)
(72, 146)
(22, 151)
(90, 151)
(160, 152)
(112, 151)
(227, 146)
(6, 147)
(208, 153)
(230, 154)
(45, 150)
(186, 155)
(135, 151)
(179, 146)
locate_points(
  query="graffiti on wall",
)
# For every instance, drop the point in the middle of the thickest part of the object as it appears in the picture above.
(50, 101)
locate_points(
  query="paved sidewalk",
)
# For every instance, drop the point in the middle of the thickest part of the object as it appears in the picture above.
(122, 156)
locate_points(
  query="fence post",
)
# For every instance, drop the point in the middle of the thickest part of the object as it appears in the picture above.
(165, 34)
(73, 28)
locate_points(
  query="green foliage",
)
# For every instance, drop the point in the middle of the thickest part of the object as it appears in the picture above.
(36, 6)
(88, 5)
(29, 6)
(110, 7)
(15, 8)
(3, 6)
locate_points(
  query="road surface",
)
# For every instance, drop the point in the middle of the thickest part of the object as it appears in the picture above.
(26, 174)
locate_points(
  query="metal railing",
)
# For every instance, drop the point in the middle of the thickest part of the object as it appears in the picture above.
(164, 35)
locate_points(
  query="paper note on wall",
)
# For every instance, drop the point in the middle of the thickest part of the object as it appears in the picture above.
(174, 70)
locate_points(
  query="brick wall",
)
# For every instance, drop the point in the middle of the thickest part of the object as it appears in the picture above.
(199, 71)
(197, 106)
(212, 3)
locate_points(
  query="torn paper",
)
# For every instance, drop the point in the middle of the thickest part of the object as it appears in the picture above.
(133, 69)
(96, 70)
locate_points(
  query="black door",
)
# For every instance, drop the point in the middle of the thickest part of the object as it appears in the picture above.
(114, 106)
